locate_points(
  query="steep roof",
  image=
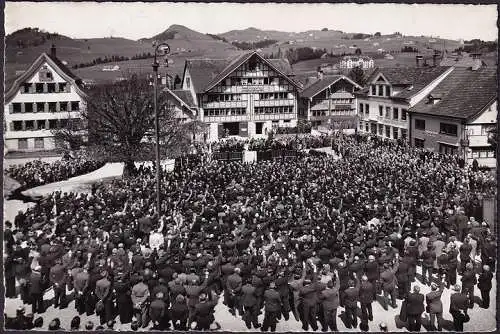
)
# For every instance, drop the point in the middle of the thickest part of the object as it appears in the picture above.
(185, 96)
(415, 77)
(319, 85)
(465, 61)
(176, 94)
(206, 73)
(56, 64)
(464, 94)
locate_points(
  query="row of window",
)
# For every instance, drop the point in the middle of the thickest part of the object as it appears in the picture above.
(380, 90)
(45, 87)
(444, 128)
(41, 124)
(334, 101)
(225, 112)
(387, 112)
(383, 130)
(483, 153)
(22, 143)
(333, 112)
(274, 110)
(33, 107)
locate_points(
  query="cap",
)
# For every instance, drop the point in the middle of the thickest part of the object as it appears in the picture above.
(159, 295)
(456, 288)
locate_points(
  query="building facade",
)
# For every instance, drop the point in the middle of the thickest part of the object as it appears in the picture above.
(356, 61)
(389, 93)
(458, 116)
(248, 96)
(45, 97)
(329, 102)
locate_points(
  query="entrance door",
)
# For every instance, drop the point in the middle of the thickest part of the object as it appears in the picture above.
(232, 128)
(373, 128)
(258, 128)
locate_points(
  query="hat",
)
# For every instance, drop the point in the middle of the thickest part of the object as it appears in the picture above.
(272, 285)
(433, 286)
(180, 298)
(456, 288)
(159, 295)
(20, 309)
(203, 297)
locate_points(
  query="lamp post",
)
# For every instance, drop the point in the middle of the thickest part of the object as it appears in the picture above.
(166, 50)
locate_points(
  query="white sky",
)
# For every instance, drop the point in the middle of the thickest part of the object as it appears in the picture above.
(138, 20)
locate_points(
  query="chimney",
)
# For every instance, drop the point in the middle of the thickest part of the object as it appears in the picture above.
(418, 58)
(53, 51)
(434, 60)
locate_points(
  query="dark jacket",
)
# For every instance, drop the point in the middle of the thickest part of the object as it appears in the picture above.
(434, 302)
(458, 302)
(366, 292)
(272, 301)
(469, 279)
(249, 297)
(484, 282)
(352, 295)
(415, 303)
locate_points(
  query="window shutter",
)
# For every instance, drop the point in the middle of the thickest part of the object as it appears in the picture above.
(45, 88)
(11, 108)
(11, 126)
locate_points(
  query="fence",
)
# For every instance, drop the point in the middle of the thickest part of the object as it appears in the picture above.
(276, 154)
(228, 156)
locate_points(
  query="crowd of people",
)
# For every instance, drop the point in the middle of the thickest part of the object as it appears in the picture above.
(302, 238)
(37, 172)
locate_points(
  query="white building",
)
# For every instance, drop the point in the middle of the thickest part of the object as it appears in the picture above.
(356, 61)
(384, 102)
(45, 97)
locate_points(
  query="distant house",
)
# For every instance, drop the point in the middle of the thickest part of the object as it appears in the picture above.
(356, 61)
(463, 60)
(45, 97)
(111, 68)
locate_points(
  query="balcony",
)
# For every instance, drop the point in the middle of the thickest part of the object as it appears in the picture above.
(390, 121)
(475, 141)
(274, 103)
(225, 104)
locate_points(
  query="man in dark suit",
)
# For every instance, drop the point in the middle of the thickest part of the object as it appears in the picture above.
(414, 309)
(434, 305)
(204, 312)
(58, 279)
(250, 304)
(484, 285)
(272, 307)
(330, 303)
(388, 280)
(428, 257)
(36, 290)
(366, 293)
(157, 310)
(468, 282)
(458, 308)
(103, 294)
(351, 303)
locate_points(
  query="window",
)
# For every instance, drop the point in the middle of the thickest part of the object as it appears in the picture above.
(388, 131)
(26, 87)
(40, 107)
(395, 133)
(38, 142)
(404, 133)
(367, 108)
(52, 106)
(63, 86)
(367, 127)
(28, 107)
(380, 129)
(63, 106)
(51, 87)
(387, 112)
(18, 125)
(380, 90)
(16, 108)
(448, 129)
(30, 125)
(387, 90)
(22, 143)
(361, 108)
(381, 111)
(403, 114)
(75, 106)
(373, 90)
(419, 143)
(39, 87)
(53, 124)
(419, 124)
(64, 123)
(40, 124)
(188, 82)
(395, 113)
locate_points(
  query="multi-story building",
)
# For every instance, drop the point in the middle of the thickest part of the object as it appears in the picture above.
(43, 98)
(457, 116)
(356, 61)
(384, 102)
(329, 102)
(247, 96)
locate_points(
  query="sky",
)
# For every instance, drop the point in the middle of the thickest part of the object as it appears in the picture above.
(140, 20)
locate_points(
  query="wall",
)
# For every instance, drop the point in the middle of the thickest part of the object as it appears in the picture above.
(431, 133)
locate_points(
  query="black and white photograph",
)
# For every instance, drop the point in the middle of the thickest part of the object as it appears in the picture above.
(250, 167)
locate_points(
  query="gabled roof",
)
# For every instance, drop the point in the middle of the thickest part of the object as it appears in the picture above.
(320, 85)
(464, 94)
(56, 64)
(415, 77)
(202, 71)
(185, 96)
(464, 61)
(243, 59)
(186, 108)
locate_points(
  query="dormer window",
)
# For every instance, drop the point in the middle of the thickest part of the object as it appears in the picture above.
(434, 98)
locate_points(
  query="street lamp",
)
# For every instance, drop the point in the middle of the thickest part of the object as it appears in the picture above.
(165, 49)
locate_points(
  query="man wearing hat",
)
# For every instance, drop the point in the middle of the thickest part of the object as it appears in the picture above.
(157, 310)
(459, 305)
(140, 295)
(250, 304)
(388, 279)
(36, 290)
(179, 313)
(428, 257)
(272, 308)
(484, 285)
(435, 306)
(193, 291)
(104, 306)
(366, 297)
(373, 273)
(443, 261)
(233, 286)
(204, 312)
(330, 302)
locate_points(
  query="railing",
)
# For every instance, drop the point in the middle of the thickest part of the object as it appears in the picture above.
(227, 156)
(276, 154)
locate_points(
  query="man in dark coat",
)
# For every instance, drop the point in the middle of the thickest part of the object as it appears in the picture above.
(58, 279)
(388, 280)
(233, 286)
(428, 257)
(157, 310)
(366, 293)
(414, 309)
(465, 250)
(204, 313)
(435, 305)
(403, 278)
(123, 300)
(468, 282)
(179, 313)
(458, 308)
(104, 298)
(36, 290)
(484, 285)
(373, 273)
(250, 304)
(330, 302)
(351, 303)
(272, 307)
